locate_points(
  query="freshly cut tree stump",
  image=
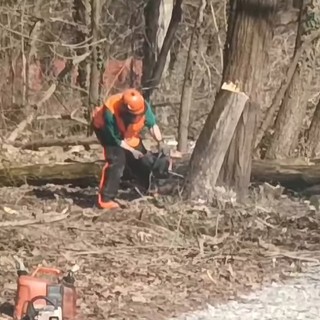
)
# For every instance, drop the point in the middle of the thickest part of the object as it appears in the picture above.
(223, 152)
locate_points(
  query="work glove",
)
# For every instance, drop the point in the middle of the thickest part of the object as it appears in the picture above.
(137, 154)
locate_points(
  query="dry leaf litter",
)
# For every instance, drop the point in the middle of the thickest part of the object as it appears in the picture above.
(159, 257)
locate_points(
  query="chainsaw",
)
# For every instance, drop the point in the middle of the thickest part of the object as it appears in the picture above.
(51, 311)
(161, 169)
(46, 294)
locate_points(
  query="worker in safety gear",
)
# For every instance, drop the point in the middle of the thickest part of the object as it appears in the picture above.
(117, 125)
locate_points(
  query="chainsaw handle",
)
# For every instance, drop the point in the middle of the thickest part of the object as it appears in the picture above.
(34, 299)
(31, 312)
(47, 271)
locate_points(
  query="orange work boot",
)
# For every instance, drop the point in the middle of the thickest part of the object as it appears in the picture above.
(110, 205)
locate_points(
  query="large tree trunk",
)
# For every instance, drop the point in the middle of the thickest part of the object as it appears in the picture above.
(187, 88)
(268, 118)
(289, 120)
(248, 38)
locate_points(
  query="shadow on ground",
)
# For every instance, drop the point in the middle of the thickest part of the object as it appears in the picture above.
(84, 197)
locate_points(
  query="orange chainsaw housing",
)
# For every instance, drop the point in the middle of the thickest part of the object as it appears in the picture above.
(30, 286)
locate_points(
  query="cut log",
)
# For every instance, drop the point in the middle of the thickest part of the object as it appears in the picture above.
(35, 145)
(76, 141)
(77, 173)
(296, 175)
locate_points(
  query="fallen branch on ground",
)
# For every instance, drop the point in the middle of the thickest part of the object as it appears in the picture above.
(50, 218)
(275, 252)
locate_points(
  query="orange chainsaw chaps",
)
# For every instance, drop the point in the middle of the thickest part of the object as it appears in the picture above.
(31, 286)
(103, 177)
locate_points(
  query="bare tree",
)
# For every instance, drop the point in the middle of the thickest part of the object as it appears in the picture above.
(82, 18)
(165, 12)
(289, 120)
(187, 88)
(249, 35)
(97, 62)
(154, 77)
(151, 16)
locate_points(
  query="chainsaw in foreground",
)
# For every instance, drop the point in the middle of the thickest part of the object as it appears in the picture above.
(46, 294)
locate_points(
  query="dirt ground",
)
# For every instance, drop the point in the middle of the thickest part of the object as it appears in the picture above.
(158, 257)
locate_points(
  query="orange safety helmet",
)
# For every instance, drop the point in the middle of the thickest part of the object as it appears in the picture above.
(134, 101)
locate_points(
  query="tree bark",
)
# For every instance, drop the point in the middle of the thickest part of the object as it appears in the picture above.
(313, 143)
(248, 38)
(187, 88)
(157, 71)
(96, 66)
(289, 120)
(81, 16)
(151, 16)
(166, 7)
(236, 169)
(268, 119)
(290, 117)
(212, 145)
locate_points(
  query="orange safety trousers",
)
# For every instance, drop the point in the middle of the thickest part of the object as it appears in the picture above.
(111, 174)
(121, 163)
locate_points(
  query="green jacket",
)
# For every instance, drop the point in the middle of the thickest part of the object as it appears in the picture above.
(111, 133)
